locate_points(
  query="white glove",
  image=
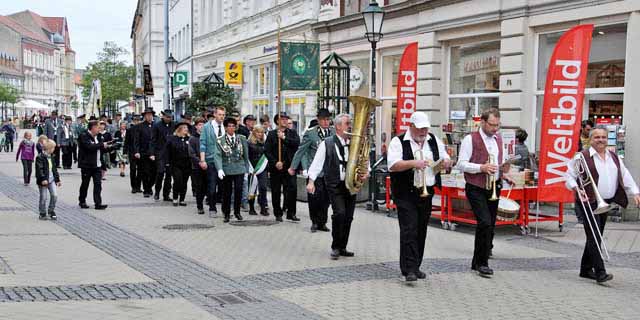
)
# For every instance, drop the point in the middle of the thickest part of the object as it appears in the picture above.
(221, 174)
(250, 170)
(305, 173)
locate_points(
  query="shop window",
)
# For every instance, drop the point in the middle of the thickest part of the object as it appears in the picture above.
(606, 60)
(475, 68)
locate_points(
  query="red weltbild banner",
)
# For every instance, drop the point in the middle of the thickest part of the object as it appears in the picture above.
(407, 83)
(562, 111)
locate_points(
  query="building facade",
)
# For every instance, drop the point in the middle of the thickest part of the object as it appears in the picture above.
(180, 44)
(10, 56)
(148, 50)
(245, 32)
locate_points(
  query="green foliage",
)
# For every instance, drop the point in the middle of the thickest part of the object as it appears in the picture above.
(75, 105)
(116, 77)
(8, 94)
(207, 95)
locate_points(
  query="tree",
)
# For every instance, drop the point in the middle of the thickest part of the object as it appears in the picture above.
(8, 95)
(206, 94)
(116, 77)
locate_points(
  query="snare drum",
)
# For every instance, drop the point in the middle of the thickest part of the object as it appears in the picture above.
(507, 209)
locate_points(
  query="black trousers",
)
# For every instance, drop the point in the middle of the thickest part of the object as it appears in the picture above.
(67, 157)
(27, 168)
(232, 183)
(74, 151)
(87, 176)
(591, 259)
(147, 173)
(485, 212)
(318, 203)
(283, 183)
(163, 172)
(56, 156)
(342, 204)
(180, 178)
(199, 185)
(134, 177)
(414, 213)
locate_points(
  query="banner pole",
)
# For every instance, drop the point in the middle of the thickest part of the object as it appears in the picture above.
(537, 216)
(279, 66)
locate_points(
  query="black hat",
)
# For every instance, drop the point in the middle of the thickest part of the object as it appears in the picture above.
(147, 110)
(82, 116)
(248, 117)
(93, 118)
(67, 118)
(54, 112)
(179, 124)
(277, 116)
(167, 112)
(228, 120)
(136, 116)
(323, 113)
(187, 115)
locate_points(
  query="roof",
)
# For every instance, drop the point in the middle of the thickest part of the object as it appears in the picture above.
(44, 25)
(24, 31)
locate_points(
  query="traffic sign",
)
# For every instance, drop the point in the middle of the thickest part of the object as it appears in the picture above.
(181, 78)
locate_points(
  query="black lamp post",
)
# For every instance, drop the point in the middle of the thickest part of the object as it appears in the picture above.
(373, 17)
(172, 65)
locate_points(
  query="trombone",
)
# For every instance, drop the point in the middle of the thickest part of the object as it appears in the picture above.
(491, 180)
(584, 180)
(421, 181)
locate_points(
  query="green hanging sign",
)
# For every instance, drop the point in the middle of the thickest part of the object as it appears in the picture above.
(300, 66)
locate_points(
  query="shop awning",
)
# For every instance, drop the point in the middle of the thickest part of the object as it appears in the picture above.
(30, 104)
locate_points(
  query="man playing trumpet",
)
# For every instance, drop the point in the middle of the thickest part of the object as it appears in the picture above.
(483, 163)
(612, 179)
(408, 158)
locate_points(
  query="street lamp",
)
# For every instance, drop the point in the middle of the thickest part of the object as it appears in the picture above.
(373, 17)
(172, 65)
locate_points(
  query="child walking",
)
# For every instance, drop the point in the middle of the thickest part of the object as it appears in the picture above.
(47, 179)
(26, 153)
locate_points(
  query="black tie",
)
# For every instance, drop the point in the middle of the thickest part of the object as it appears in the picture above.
(219, 131)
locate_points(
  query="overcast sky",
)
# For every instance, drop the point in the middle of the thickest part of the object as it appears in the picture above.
(91, 23)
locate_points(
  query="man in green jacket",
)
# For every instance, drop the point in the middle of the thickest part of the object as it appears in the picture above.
(209, 152)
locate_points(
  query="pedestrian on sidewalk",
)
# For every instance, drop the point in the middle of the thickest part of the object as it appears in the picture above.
(9, 133)
(134, 163)
(106, 137)
(258, 161)
(161, 131)
(40, 143)
(26, 153)
(176, 154)
(90, 150)
(65, 140)
(143, 152)
(198, 175)
(121, 155)
(47, 179)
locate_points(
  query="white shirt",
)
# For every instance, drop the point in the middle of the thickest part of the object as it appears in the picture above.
(66, 131)
(607, 175)
(217, 125)
(491, 143)
(98, 161)
(394, 153)
(318, 160)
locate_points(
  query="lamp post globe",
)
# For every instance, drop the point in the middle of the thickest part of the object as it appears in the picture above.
(373, 18)
(172, 65)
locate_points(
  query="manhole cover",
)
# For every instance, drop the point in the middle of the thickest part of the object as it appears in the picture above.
(253, 223)
(187, 226)
(237, 297)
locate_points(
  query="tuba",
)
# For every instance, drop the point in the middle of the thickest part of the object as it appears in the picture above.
(358, 162)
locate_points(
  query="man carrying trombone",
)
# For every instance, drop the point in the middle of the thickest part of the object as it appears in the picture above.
(599, 178)
(412, 182)
(483, 163)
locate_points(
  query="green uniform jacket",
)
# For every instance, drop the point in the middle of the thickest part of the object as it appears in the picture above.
(307, 150)
(233, 160)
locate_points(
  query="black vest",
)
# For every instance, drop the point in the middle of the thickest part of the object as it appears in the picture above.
(402, 182)
(331, 168)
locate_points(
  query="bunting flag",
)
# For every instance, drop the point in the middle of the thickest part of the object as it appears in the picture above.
(300, 66)
(562, 112)
(407, 82)
(253, 179)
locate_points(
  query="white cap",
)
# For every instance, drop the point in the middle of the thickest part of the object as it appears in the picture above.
(420, 120)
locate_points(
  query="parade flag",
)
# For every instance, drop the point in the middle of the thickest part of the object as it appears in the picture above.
(562, 111)
(300, 66)
(253, 179)
(407, 82)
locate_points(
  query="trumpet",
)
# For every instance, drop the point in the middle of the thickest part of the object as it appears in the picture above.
(584, 180)
(491, 180)
(421, 180)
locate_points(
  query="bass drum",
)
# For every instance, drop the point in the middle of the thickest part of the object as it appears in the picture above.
(508, 210)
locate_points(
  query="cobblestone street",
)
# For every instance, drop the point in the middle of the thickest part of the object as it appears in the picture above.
(124, 263)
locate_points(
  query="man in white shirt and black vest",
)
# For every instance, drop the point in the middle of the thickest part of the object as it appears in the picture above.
(331, 160)
(612, 179)
(474, 160)
(414, 211)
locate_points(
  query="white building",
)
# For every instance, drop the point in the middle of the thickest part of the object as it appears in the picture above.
(245, 31)
(148, 49)
(180, 45)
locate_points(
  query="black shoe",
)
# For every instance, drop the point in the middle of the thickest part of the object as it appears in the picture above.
(335, 254)
(167, 199)
(279, 219)
(122, 174)
(324, 228)
(589, 274)
(101, 206)
(146, 195)
(264, 212)
(604, 277)
(238, 216)
(346, 253)
(175, 203)
(226, 219)
(252, 212)
(84, 206)
(411, 277)
(53, 216)
(156, 197)
(182, 204)
(42, 217)
(134, 191)
(421, 275)
(313, 228)
(293, 218)
(485, 271)
(200, 211)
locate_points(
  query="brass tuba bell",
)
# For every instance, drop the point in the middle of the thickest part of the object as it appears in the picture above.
(358, 162)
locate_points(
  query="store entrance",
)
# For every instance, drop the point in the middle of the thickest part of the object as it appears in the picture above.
(604, 109)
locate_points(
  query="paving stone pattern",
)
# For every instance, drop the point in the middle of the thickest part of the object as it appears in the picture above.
(124, 291)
